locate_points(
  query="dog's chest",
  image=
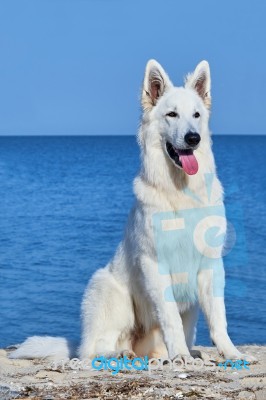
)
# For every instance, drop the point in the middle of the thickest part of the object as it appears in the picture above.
(186, 241)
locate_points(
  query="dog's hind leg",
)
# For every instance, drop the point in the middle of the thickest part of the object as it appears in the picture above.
(151, 345)
(107, 315)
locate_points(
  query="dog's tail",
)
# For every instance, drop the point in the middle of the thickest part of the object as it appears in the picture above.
(57, 348)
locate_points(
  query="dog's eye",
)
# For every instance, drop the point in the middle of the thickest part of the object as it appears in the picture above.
(196, 115)
(172, 114)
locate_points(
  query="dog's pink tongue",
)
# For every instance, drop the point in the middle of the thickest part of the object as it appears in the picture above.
(189, 162)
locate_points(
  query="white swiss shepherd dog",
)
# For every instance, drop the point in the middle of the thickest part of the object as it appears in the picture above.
(124, 308)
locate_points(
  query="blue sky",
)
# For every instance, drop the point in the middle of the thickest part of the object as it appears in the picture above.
(76, 66)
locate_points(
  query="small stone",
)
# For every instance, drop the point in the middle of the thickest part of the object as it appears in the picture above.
(41, 374)
(182, 376)
(148, 390)
(245, 395)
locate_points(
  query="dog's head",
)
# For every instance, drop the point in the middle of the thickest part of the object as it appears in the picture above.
(177, 116)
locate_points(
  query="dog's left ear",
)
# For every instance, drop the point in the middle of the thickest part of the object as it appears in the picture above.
(200, 80)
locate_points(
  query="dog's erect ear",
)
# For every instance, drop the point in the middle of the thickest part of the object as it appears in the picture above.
(156, 82)
(200, 80)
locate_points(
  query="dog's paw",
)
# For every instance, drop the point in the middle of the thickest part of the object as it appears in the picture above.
(240, 356)
(183, 357)
(117, 354)
(129, 354)
(248, 358)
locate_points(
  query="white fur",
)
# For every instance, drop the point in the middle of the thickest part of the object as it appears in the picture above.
(124, 306)
(42, 347)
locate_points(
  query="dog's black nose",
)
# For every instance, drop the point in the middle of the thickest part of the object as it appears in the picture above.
(192, 138)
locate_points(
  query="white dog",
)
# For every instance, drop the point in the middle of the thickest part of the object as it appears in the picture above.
(139, 302)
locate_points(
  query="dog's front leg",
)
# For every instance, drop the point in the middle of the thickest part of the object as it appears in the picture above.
(214, 309)
(166, 311)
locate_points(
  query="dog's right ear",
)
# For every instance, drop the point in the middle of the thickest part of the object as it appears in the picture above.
(156, 82)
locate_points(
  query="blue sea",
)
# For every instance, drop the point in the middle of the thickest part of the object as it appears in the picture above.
(64, 204)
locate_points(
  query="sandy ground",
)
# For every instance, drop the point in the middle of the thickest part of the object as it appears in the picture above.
(37, 379)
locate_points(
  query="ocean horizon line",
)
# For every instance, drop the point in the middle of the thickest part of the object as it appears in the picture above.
(113, 135)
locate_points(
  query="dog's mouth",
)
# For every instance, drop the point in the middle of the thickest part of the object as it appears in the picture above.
(184, 159)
